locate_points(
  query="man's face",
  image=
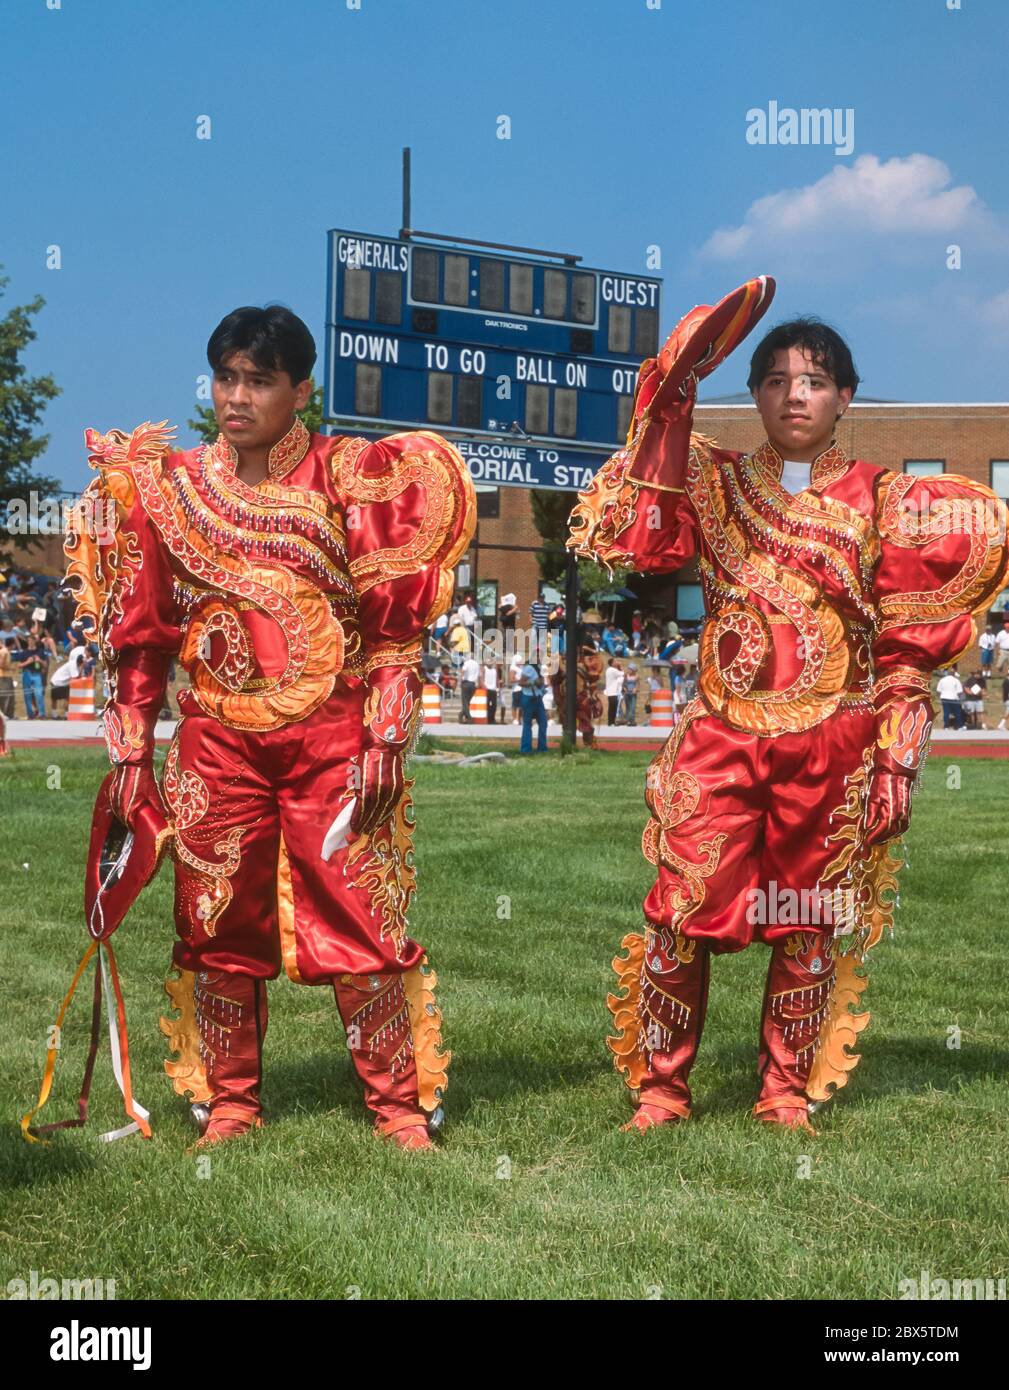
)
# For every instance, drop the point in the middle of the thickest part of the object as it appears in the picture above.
(799, 404)
(254, 405)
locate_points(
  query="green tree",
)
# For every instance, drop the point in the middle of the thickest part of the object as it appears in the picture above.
(23, 400)
(206, 426)
(550, 516)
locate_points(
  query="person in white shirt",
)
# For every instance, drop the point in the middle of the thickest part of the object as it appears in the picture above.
(490, 685)
(59, 685)
(614, 685)
(470, 676)
(987, 644)
(515, 676)
(974, 690)
(467, 613)
(949, 691)
(1002, 648)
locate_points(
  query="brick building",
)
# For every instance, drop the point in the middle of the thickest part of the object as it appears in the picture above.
(971, 439)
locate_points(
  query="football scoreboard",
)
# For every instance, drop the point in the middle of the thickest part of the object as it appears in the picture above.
(526, 362)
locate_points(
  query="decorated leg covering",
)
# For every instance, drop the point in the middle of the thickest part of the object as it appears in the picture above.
(661, 1017)
(231, 1011)
(796, 1000)
(186, 1070)
(376, 1015)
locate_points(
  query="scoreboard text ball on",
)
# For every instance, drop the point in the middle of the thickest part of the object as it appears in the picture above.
(527, 364)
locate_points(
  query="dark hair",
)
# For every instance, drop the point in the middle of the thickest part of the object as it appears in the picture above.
(824, 344)
(273, 337)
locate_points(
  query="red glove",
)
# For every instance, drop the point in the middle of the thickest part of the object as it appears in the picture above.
(129, 719)
(888, 809)
(903, 725)
(659, 444)
(381, 786)
(391, 710)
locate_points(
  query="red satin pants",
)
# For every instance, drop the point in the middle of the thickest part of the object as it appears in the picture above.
(252, 892)
(746, 831)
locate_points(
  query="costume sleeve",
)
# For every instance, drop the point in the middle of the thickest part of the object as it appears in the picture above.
(635, 512)
(943, 560)
(120, 572)
(410, 511)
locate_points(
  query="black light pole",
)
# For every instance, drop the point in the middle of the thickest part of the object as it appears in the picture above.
(406, 229)
(571, 647)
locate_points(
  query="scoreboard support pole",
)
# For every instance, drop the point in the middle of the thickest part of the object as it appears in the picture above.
(570, 647)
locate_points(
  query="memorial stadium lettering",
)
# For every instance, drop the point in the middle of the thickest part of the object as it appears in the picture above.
(521, 465)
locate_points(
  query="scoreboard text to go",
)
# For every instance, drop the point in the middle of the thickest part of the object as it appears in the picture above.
(541, 368)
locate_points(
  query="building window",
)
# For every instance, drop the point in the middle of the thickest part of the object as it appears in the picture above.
(689, 603)
(620, 329)
(367, 389)
(565, 413)
(1000, 478)
(555, 294)
(924, 468)
(439, 397)
(456, 279)
(356, 294)
(486, 599)
(537, 408)
(520, 289)
(388, 296)
(492, 284)
(424, 267)
(469, 402)
(488, 499)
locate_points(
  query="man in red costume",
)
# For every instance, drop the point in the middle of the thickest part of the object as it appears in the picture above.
(292, 575)
(833, 588)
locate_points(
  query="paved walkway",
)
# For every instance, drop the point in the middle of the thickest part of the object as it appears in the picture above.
(89, 731)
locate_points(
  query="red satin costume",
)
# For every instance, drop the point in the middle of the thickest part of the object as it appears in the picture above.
(588, 705)
(296, 608)
(826, 612)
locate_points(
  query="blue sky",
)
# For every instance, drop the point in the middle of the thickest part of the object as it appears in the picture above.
(629, 129)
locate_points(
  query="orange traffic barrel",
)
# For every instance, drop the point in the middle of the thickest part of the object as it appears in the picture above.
(662, 709)
(478, 705)
(431, 704)
(82, 698)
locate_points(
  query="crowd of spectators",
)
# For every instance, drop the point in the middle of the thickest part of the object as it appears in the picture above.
(653, 655)
(41, 649)
(461, 661)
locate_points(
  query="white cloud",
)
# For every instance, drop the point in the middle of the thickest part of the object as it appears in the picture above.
(896, 198)
(996, 312)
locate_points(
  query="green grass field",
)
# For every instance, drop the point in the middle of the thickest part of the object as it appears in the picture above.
(534, 1193)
